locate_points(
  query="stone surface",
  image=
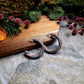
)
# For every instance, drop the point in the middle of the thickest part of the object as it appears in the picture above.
(77, 41)
(50, 70)
(65, 67)
(8, 66)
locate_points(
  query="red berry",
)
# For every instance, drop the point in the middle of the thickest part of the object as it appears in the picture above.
(72, 16)
(60, 18)
(65, 17)
(77, 19)
(81, 19)
(82, 30)
(71, 27)
(1, 16)
(27, 22)
(18, 20)
(12, 18)
(75, 24)
(75, 31)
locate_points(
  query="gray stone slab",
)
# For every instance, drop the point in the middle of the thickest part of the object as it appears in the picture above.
(8, 66)
(77, 40)
(50, 70)
(65, 67)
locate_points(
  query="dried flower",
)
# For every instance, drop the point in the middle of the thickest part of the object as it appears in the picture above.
(27, 22)
(18, 20)
(1, 16)
(77, 19)
(81, 19)
(11, 18)
(52, 2)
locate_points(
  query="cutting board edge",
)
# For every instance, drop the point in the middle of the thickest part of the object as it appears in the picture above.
(47, 41)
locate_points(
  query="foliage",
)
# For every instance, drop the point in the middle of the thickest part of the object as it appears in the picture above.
(15, 7)
(76, 2)
(51, 10)
(10, 27)
(44, 9)
(33, 16)
(72, 6)
(53, 2)
(25, 14)
(55, 13)
(32, 9)
(11, 7)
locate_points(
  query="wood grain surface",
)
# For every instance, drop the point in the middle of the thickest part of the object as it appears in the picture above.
(22, 42)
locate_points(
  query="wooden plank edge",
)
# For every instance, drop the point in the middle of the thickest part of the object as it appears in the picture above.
(43, 37)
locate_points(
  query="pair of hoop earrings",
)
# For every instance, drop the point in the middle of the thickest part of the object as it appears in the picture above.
(44, 48)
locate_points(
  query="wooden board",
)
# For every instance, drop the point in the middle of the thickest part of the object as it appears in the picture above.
(22, 42)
